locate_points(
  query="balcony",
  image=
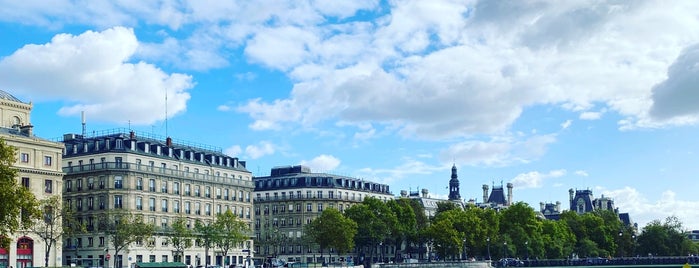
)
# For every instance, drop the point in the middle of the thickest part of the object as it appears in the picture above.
(117, 166)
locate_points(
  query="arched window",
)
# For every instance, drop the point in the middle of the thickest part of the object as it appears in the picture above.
(25, 246)
(16, 121)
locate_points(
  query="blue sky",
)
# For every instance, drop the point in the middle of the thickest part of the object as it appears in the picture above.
(548, 95)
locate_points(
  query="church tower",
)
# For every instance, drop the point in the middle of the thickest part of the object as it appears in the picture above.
(454, 194)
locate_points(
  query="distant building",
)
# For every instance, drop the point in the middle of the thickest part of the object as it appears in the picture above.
(39, 169)
(454, 192)
(497, 198)
(291, 197)
(550, 211)
(693, 235)
(583, 201)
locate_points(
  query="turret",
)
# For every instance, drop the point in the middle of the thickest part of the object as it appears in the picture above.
(454, 193)
(509, 193)
(485, 193)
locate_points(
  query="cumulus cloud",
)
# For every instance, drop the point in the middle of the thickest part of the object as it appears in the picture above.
(678, 95)
(644, 209)
(322, 163)
(500, 151)
(590, 115)
(534, 179)
(409, 168)
(223, 108)
(93, 73)
(259, 150)
(234, 150)
(581, 173)
(566, 124)
(431, 70)
(418, 75)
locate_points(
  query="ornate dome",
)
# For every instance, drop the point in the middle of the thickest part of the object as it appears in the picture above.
(8, 96)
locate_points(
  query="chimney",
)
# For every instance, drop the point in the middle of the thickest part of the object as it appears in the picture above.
(168, 142)
(570, 192)
(485, 193)
(26, 130)
(509, 193)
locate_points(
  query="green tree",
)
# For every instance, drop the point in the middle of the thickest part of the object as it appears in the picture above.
(180, 237)
(124, 229)
(664, 238)
(406, 225)
(443, 206)
(420, 237)
(19, 206)
(206, 236)
(558, 240)
(447, 239)
(49, 226)
(520, 224)
(232, 230)
(332, 230)
(374, 220)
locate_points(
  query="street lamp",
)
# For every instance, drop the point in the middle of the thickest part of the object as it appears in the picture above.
(488, 239)
(463, 248)
(526, 250)
(504, 250)
(621, 234)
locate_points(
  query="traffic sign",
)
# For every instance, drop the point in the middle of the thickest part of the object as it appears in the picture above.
(108, 256)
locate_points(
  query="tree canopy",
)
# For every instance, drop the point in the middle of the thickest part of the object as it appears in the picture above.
(19, 207)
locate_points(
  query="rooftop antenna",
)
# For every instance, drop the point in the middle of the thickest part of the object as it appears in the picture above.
(166, 113)
(82, 118)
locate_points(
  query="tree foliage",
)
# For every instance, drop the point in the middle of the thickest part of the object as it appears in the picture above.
(125, 229)
(232, 231)
(49, 227)
(332, 230)
(206, 236)
(180, 236)
(664, 239)
(19, 207)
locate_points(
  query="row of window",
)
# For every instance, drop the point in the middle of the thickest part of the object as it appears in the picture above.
(24, 158)
(282, 208)
(188, 190)
(310, 195)
(164, 206)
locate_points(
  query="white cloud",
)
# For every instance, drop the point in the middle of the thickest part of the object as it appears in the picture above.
(223, 108)
(234, 151)
(581, 173)
(501, 151)
(408, 169)
(566, 124)
(590, 115)
(261, 149)
(527, 54)
(677, 96)
(322, 163)
(534, 179)
(92, 72)
(645, 208)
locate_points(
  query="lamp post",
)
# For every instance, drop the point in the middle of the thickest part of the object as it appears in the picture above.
(488, 240)
(504, 250)
(463, 249)
(526, 250)
(621, 234)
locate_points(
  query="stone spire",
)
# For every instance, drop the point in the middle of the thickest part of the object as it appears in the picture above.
(454, 193)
